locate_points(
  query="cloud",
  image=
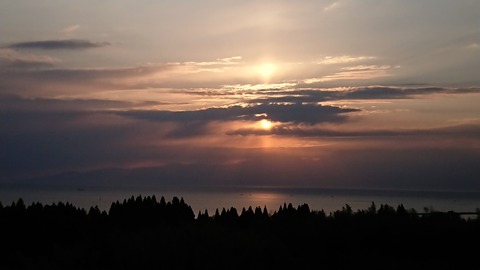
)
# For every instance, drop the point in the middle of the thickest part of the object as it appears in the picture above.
(37, 141)
(378, 92)
(12, 59)
(189, 130)
(41, 135)
(474, 46)
(460, 131)
(228, 61)
(70, 29)
(219, 65)
(13, 104)
(343, 59)
(33, 73)
(295, 96)
(42, 141)
(295, 113)
(362, 72)
(96, 74)
(315, 96)
(76, 81)
(261, 86)
(332, 6)
(66, 44)
(386, 92)
(366, 67)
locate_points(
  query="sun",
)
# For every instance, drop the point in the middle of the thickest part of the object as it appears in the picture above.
(266, 71)
(265, 124)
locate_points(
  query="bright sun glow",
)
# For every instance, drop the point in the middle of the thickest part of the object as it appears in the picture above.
(266, 70)
(265, 124)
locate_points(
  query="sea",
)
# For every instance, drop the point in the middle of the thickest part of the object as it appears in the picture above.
(213, 198)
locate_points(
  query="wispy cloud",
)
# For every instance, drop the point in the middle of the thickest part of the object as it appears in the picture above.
(66, 44)
(474, 46)
(330, 60)
(216, 66)
(362, 72)
(78, 81)
(332, 6)
(13, 59)
(296, 130)
(257, 87)
(367, 67)
(70, 29)
(228, 61)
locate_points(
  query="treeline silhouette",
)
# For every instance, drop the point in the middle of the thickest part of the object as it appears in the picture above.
(146, 233)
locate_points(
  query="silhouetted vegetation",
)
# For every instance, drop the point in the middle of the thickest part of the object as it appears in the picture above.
(146, 233)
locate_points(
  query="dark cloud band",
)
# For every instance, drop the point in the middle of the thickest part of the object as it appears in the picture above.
(295, 113)
(68, 44)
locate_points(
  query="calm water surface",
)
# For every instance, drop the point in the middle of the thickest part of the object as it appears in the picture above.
(210, 199)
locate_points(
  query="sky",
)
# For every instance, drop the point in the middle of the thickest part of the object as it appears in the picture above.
(335, 94)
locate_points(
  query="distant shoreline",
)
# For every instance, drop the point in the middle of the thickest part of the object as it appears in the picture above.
(202, 198)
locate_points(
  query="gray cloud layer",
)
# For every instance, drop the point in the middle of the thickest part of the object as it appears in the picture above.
(12, 104)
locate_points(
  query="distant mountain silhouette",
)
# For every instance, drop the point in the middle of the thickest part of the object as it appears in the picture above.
(146, 233)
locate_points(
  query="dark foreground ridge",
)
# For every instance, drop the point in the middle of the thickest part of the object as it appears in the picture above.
(143, 233)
